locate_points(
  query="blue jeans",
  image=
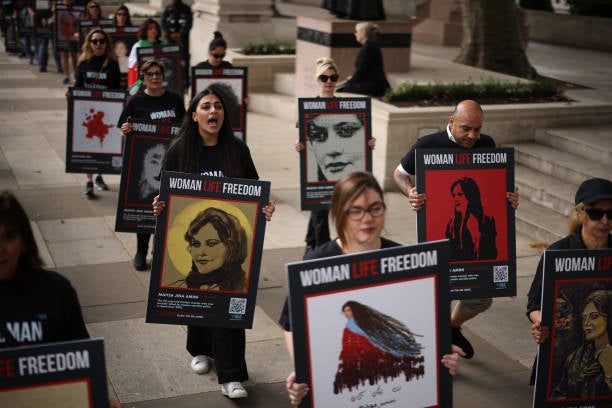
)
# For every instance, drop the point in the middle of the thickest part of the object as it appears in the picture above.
(42, 48)
(26, 43)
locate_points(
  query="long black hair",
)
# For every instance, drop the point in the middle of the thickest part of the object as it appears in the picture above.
(15, 221)
(188, 141)
(386, 331)
(472, 195)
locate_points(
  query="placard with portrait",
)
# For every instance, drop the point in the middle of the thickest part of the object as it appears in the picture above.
(123, 39)
(207, 254)
(143, 154)
(466, 204)
(171, 57)
(54, 375)
(335, 134)
(370, 329)
(574, 365)
(93, 141)
(232, 83)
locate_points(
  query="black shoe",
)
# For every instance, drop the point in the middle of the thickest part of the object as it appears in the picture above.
(461, 341)
(140, 261)
(89, 192)
(42, 69)
(100, 183)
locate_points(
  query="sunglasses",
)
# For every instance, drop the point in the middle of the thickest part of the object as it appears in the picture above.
(154, 73)
(98, 41)
(597, 214)
(121, 14)
(92, 7)
(218, 56)
(324, 78)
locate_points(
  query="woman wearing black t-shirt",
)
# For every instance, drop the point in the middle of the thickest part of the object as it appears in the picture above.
(97, 68)
(31, 296)
(155, 104)
(206, 145)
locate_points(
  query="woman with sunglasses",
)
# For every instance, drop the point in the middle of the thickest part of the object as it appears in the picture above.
(97, 68)
(155, 104)
(216, 53)
(358, 210)
(590, 227)
(121, 17)
(149, 34)
(326, 75)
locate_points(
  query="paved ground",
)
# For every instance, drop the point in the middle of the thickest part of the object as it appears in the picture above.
(147, 363)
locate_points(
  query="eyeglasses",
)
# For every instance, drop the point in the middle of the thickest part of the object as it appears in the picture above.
(597, 214)
(376, 210)
(151, 74)
(333, 77)
(217, 56)
(97, 41)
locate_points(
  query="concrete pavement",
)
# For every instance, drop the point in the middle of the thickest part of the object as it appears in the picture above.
(147, 363)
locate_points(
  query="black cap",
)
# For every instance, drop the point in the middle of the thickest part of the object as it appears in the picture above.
(593, 190)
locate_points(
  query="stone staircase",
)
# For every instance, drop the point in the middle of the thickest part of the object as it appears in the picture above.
(548, 172)
(548, 169)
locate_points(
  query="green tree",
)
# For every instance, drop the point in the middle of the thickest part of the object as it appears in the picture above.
(491, 38)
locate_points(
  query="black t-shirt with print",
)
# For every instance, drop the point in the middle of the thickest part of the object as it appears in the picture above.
(45, 310)
(168, 107)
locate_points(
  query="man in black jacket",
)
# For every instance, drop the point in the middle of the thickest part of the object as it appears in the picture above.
(176, 23)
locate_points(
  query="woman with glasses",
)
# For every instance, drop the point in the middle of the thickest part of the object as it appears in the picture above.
(121, 17)
(155, 104)
(97, 68)
(216, 53)
(590, 227)
(92, 11)
(149, 34)
(326, 76)
(358, 210)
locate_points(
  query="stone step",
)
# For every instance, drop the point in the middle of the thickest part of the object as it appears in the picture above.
(272, 104)
(143, 9)
(539, 223)
(547, 191)
(558, 163)
(593, 143)
(284, 83)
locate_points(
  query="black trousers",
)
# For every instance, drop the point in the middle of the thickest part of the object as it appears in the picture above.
(142, 239)
(318, 228)
(226, 346)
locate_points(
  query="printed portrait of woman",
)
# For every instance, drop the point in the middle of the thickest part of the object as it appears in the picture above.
(148, 184)
(122, 52)
(587, 371)
(375, 347)
(471, 232)
(68, 23)
(336, 146)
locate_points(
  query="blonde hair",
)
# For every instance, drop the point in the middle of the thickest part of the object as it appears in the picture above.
(370, 29)
(575, 218)
(323, 64)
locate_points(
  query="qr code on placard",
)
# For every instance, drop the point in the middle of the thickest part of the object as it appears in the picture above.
(500, 273)
(237, 306)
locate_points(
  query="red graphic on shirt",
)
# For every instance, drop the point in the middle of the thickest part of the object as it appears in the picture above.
(95, 125)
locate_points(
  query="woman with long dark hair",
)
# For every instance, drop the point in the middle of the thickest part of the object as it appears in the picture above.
(357, 209)
(30, 295)
(121, 16)
(471, 232)
(206, 145)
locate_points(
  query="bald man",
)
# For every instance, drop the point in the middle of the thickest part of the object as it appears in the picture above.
(462, 131)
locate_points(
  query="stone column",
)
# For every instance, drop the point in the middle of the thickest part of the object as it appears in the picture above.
(332, 37)
(239, 21)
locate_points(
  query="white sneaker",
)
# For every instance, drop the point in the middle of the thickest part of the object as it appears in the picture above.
(200, 364)
(233, 390)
